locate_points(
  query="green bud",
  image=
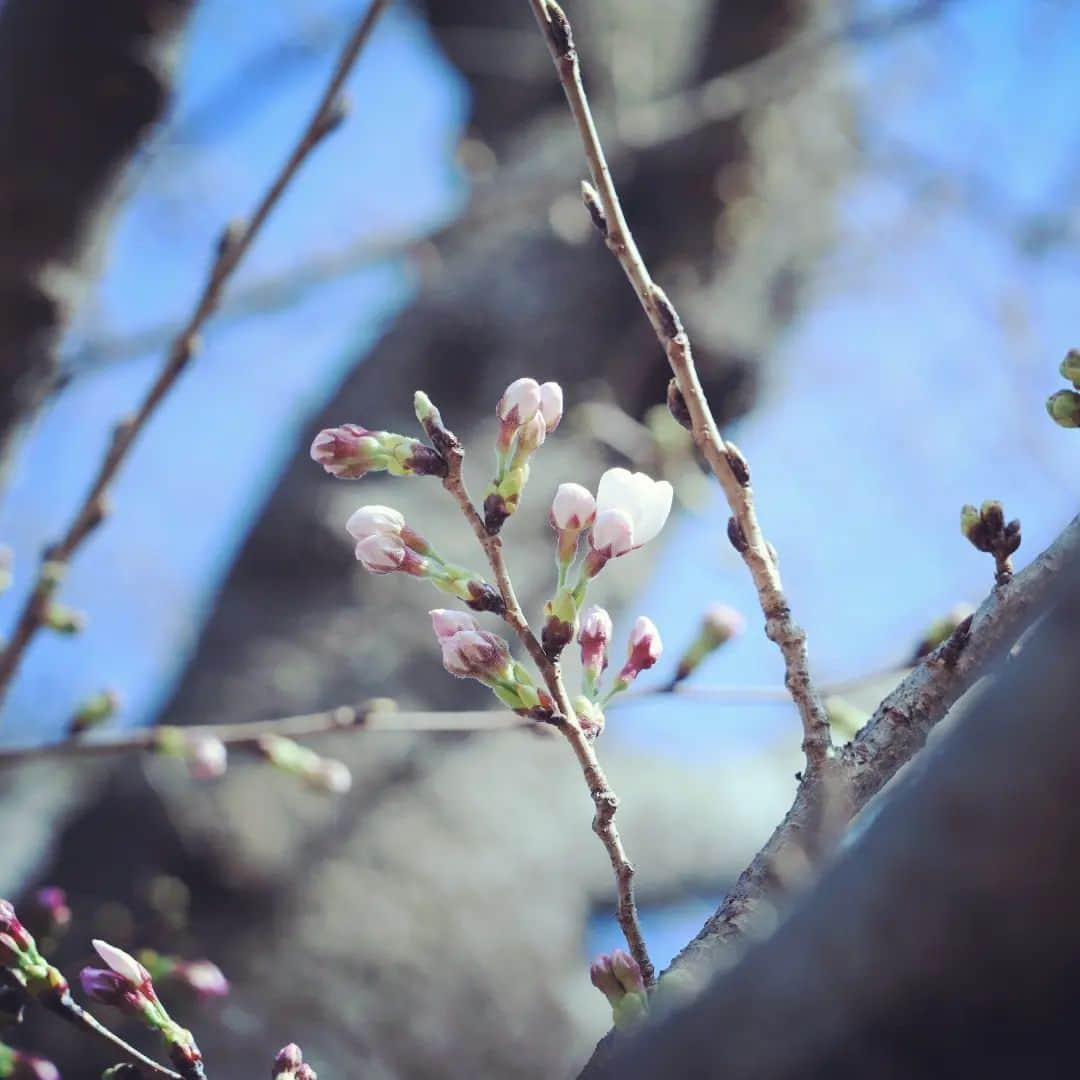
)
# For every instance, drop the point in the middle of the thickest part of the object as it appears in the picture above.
(95, 710)
(64, 620)
(1064, 408)
(1070, 367)
(425, 409)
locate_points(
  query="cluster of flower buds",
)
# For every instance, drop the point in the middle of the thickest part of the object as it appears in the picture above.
(324, 774)
(987, 530)
(289, 1065)
(718, 626)
(202, 978)
(470, 652)
(528, 413)
(617, 976)
(629, 510)
(386, 545)
(594, 638)
(94, 711)
(206, 756)
(20, 957)
(1064, 406)
(126, 985)
(19, 1065)
(351, 451)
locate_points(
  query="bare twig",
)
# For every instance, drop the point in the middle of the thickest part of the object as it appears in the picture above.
(604, 799)
(726, 462)
(235, 242)
(368, 718)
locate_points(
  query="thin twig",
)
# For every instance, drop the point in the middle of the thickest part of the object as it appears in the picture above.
(67, 1008)
(240, 735)
(234, 244)
(725, 461)
(604, 798)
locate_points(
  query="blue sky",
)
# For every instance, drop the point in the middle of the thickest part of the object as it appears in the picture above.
(913, 380)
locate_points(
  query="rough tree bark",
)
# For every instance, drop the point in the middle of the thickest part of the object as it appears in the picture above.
(944, 941)
(80, 84)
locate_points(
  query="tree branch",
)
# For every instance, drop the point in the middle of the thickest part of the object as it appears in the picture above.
(726, 462)
(235, 243)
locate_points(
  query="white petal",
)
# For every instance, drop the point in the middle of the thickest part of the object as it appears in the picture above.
(120, 962)
(374, 520)
(655, 511)
(618, 491)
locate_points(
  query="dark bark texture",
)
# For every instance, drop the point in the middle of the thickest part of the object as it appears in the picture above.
(944, 942)
(80, 85)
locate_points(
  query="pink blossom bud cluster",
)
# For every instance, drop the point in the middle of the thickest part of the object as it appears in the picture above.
(321, 773)
(351, 451)
(289, 1065)
(19, 952)
(618, 977)
(594, 638)
(385, 545)
(125, 984)
(470, 652)
(528, 412)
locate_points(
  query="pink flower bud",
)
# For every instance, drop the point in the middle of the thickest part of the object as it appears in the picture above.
(383, 554)
(722, 623)
(289, 1059)
(645, 649)
(594, 638)
(612, 533)
(109, 988)
(348, 452)
(306, 1072)
(49, 913)
(207, 757)
(11, 928)
(551, 405)
(447, 623)
(520, 402)
(475, 654)
(201, 976)
(573, 508)
(375, 521)
(124, 964)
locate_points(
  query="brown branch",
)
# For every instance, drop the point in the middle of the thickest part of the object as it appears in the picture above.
(370, 718)
(604, 798)
(896, 731)
(235, 243)
(726, 462)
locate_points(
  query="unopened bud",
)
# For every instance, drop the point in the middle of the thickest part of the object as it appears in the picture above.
(551, 405)
(64, 619)
(48, 914)
(1070, 367)
(205, 755)
(19, 1065)
(617, 976)
(972, 526)
(590, 716)
(560, 623)
(573, 508)
(94, 710)
(676, 404)
(520, 402)
(323, 774)
(719, 625)
(351, 451)
(594, 637)
(645, 649)
(1064, 408)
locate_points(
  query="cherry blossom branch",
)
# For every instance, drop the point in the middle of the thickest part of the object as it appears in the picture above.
(604, 798)
(725, 460)
(235, 242)
(369, 718)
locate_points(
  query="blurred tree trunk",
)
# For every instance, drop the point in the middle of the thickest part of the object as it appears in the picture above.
(80, 85)
(945, 941)
(341, 926)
